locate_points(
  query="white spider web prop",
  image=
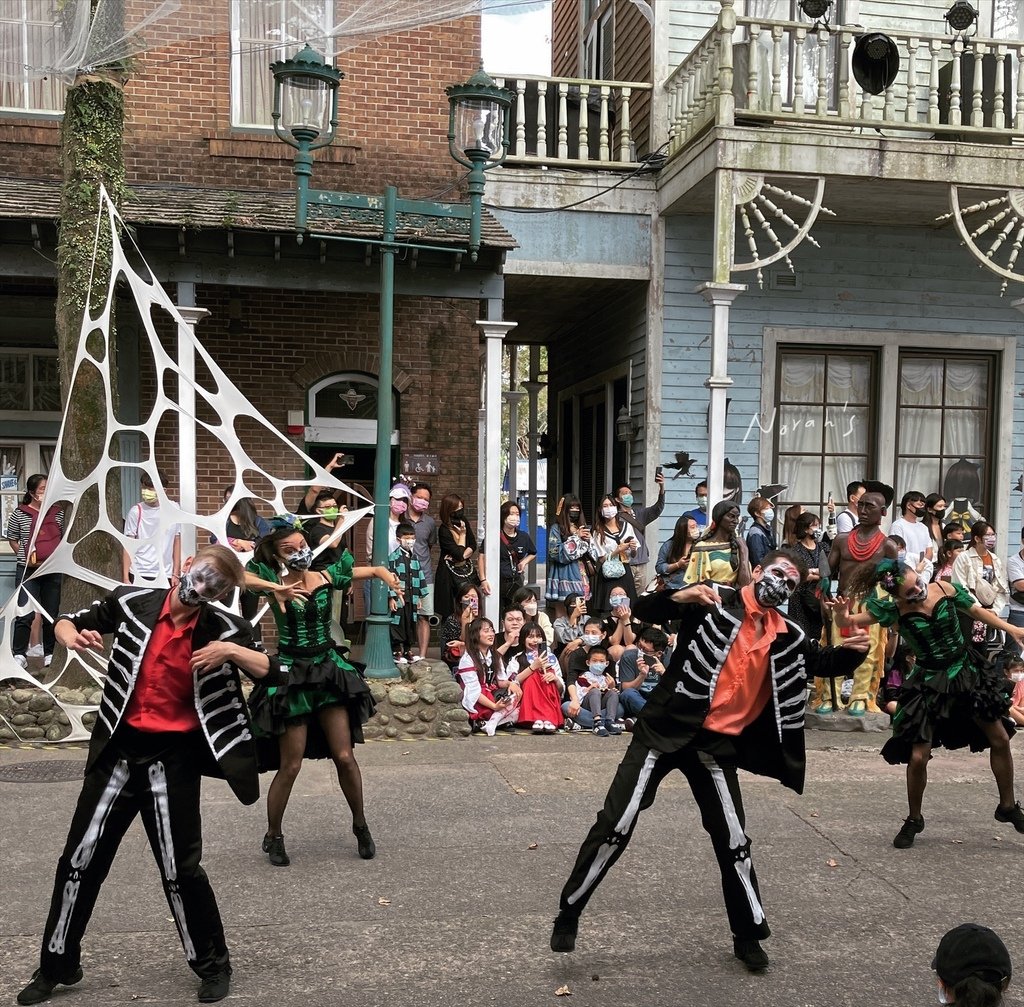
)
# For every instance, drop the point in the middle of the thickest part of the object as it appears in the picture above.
(224, 401)
(79, 39)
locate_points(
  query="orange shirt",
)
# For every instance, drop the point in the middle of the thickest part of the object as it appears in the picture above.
(163, 697)
(744, 685)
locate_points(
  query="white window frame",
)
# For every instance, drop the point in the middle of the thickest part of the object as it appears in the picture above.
(888, 345)
(31, 413)
(25, 107)
(31, 453)
(286, 49)
(598, 44)
(332, 429)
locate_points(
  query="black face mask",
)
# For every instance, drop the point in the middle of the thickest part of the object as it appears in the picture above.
(939, 513)
(459, 515)
(574, 515)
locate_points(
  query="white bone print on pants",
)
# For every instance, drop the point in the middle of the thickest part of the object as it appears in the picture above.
(83, 855)
(158, 787)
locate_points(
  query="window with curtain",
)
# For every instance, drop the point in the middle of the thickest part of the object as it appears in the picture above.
(29, 37)
(943, 426)
(823, 424)
(29, 380)
(263, 31)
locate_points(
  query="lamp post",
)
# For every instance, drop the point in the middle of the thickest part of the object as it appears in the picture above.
(305, 117)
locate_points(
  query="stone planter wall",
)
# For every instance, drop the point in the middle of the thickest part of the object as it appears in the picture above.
(34, 715)
(425, 702)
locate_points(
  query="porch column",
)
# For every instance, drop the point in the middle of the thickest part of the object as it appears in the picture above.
(533, 387)
(720, 293)
(513, 396)
(720, 296)
(187, 481)
(489, 525)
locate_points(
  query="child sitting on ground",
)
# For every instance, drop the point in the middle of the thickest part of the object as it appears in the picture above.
(594, 690)
(1015, 672)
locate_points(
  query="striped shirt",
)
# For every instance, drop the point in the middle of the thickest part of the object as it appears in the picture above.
(19, 528)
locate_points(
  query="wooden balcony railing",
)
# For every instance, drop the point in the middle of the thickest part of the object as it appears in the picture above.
(562, 121)
(750, 69)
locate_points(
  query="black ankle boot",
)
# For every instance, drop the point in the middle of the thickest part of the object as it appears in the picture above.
(751, 954)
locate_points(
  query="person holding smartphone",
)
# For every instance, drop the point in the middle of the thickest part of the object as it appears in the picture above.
(452, 634)
(537, 673)
(569, 627)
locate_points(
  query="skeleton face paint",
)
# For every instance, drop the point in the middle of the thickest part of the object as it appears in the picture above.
(917, 593)
(300, 559)
(202, 582)
(776, 586)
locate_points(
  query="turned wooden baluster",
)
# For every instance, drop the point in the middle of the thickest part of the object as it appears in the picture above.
(563, 121)
(625, 128)
(910, 113)
(584, 132)
(542, 118)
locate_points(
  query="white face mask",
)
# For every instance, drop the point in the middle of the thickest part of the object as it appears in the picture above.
(591, 639)
(609, 512)
(530, 609)
(619, 601)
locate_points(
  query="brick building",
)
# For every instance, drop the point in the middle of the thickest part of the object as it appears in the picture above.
(211, 205)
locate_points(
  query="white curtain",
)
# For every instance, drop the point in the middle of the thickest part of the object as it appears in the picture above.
(269, 30)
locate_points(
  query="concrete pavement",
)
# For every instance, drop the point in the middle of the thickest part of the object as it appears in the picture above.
(475, 839)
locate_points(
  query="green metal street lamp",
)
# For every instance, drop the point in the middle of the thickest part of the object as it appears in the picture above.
(478, 130)
(306, 117)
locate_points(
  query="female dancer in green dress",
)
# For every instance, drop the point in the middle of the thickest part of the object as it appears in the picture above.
(320, 712)
(952, 698)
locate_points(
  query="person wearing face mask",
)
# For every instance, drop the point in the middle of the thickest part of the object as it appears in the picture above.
(972, 967)
(732, 697)
(172, 710)
(574, 654)
(981, 572)
(460, 563)
(526, 599)
(569, 554)
(406, 600)
(700, 512)
(399, 498)
(157, 557)
(1015, 582)
(320, 711)
(613, 546)
(760, 536)
(594, 691)
(426, 539)
(934, 511)
(951, 698)
(912, 527)
(44, 587)
(619, 631)
(805, 605)
(516, 554)
(638, 518)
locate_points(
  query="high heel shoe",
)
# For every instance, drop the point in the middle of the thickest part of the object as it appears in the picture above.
(367, 847)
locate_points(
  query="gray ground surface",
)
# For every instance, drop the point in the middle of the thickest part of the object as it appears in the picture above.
(457, 906)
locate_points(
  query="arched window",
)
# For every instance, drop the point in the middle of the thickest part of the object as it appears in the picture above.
(343, 408)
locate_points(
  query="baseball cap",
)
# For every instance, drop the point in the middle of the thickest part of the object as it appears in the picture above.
(972, 950)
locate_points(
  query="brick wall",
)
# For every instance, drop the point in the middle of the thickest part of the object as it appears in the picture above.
(272, 362)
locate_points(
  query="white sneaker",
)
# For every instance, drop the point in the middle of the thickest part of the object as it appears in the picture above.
(48, 660)
(401, 661)
(538, 727)
(35, 651)
(415, 658)
(21, 659)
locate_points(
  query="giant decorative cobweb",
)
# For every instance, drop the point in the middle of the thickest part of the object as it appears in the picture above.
(80, 39)
(233, 427)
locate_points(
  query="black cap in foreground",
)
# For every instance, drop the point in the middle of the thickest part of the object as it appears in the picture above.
(972, 950)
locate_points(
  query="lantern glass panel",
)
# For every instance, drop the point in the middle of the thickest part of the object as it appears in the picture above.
(478, 125)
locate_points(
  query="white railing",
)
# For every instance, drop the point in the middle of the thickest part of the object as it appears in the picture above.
(750, 69)
(576, 123)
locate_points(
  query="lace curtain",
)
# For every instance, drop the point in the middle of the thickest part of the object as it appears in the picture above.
(823, 423)
(28, 36)
(942, 418)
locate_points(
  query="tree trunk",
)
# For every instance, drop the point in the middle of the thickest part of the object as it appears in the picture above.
(91, 156)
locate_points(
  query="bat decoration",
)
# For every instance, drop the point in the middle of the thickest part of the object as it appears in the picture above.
(1020, 484)
(682, 464)
(771, 490)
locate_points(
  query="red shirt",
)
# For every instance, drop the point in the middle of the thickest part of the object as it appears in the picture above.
(744, 685)
(163, 698)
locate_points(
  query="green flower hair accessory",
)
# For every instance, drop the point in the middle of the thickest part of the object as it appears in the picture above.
(890, 574)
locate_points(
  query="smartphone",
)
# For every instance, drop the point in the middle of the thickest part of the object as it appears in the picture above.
(348, 459)
(830, 496)
(658, 471)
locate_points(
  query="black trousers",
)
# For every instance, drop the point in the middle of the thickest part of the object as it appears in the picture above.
(155, 776)
(46, 591)
(716, 790)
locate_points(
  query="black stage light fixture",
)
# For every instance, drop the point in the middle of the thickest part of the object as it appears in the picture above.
(875, 61)
(961, 16)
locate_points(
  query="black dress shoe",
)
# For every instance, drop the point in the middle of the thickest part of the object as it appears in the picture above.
(563, 933)
(41, 986)
(214, 988)
(751, 954)
(364, 841)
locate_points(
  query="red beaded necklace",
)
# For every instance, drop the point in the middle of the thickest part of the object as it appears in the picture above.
(861, 553)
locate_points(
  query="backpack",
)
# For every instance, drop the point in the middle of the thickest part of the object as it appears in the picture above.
(47, 538)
